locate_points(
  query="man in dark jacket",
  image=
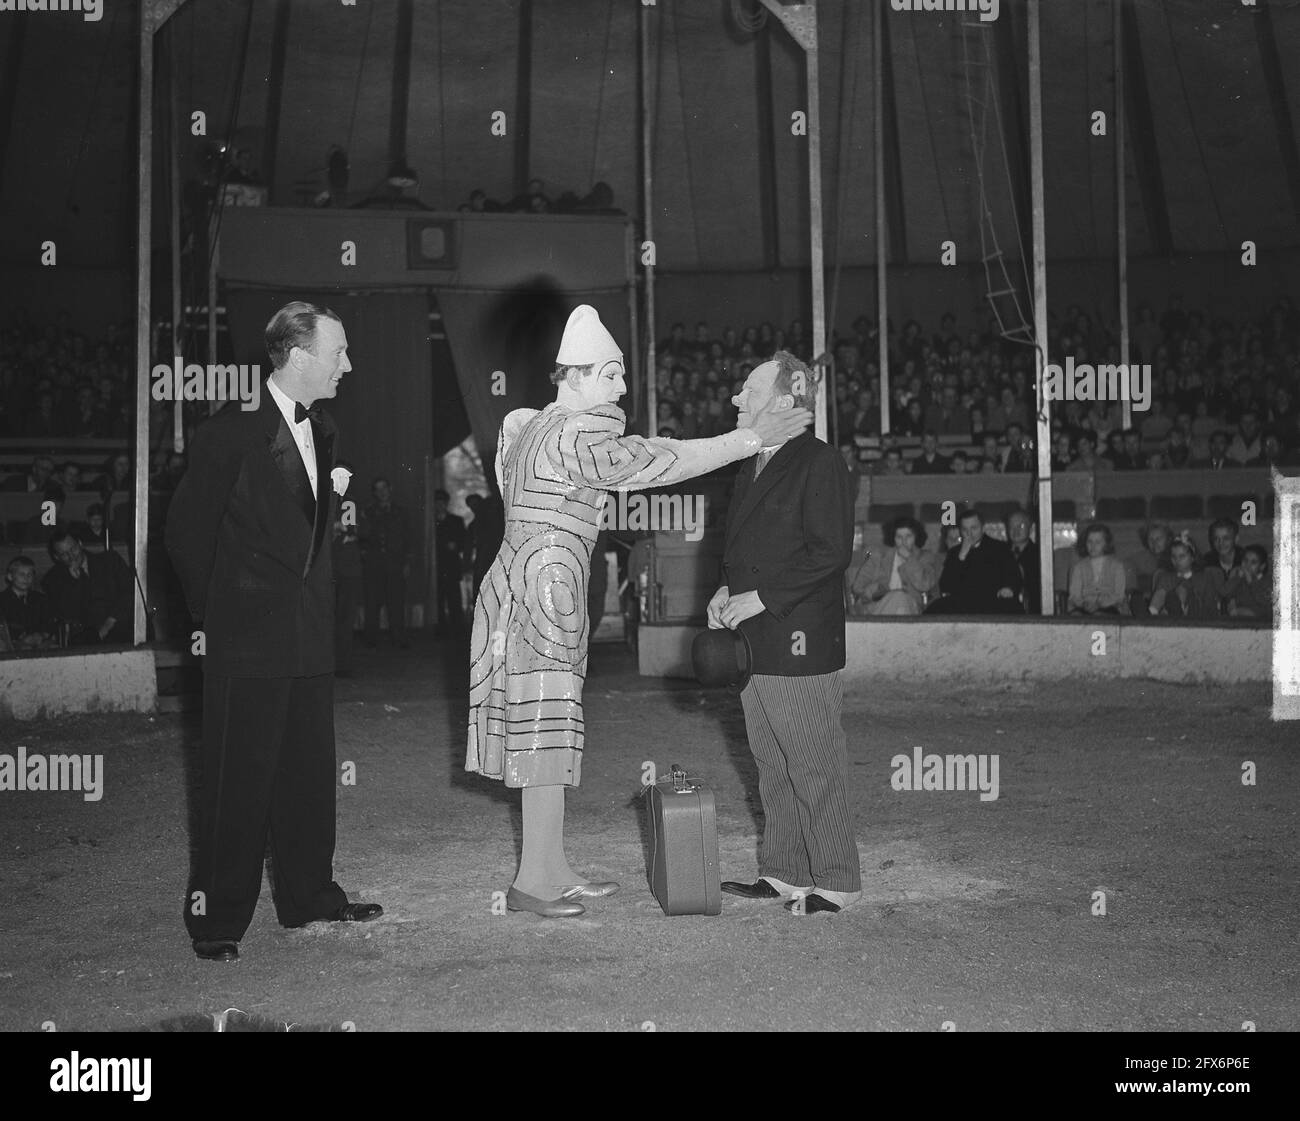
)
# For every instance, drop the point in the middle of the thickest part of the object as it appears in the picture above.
(91, 593)
(248, 532)
(789, 540)
(980, 576)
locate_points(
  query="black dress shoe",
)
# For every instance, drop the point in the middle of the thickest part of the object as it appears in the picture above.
(759, 889)
(356, 912)
(217, 951)
(812, 904)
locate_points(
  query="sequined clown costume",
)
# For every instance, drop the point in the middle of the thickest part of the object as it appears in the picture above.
(528, 653)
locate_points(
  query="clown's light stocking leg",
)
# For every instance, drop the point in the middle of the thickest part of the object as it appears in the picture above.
(543, 869)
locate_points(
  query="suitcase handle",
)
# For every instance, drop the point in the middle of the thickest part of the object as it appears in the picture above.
(679, 780)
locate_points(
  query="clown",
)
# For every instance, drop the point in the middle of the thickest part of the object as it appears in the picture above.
(528, 654)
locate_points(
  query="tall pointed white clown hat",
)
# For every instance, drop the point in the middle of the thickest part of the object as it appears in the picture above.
(586, 342)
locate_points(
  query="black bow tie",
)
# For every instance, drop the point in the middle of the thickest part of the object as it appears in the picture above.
(300, 414)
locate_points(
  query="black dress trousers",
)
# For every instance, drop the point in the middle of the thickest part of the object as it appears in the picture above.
(268, 770)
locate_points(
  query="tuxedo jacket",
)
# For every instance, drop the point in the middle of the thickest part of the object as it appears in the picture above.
(789, 537)
(250, 544)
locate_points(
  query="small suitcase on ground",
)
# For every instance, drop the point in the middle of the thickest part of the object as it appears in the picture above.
(684, 847)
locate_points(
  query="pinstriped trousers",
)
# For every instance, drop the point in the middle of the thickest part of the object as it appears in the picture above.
(798, 742)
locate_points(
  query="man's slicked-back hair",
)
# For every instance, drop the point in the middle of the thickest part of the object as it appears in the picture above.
(294, 325)
(787, 365)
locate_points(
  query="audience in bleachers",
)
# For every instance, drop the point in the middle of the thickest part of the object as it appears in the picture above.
(1224, 394)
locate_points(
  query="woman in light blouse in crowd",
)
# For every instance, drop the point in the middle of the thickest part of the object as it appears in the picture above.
(1097, 581)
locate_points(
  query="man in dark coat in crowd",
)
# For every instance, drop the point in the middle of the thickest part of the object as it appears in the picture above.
(980, 576)
(92, 593)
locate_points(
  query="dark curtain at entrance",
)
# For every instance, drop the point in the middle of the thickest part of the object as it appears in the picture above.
(384, 408)
(517, 332)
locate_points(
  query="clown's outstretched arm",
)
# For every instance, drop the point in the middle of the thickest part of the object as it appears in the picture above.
(593, 450)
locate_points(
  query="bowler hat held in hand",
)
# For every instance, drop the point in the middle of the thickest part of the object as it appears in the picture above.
(722, 657)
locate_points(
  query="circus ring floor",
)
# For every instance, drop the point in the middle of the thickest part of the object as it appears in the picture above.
(977, 914)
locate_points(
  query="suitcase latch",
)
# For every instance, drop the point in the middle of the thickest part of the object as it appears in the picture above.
(680, 785)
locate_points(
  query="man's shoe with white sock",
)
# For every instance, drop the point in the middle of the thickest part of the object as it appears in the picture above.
(823, 899)
(765, 887)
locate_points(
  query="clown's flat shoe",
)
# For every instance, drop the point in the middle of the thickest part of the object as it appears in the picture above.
(561, 908)
(590, 891)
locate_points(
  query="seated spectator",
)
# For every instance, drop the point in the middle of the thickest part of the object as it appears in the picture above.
(1250, 592)
(1176, 450)
(94, 533)
(69, 477)
(1156, 538)
(891, 463)
(24, 611)
(1272, 453)
(989, 450)
(479, 203)
(947, 417)
(1223, 561)
(898, 580)
(92, 594)
(690, 424)
(668, 421)
(35, 480)
(960, 463)
(89, 420)
(117, 480)
(1025, 552)
(912, 422)
(1156, 461)
(1245, 445)
(1184, 593)
(44, 420)
(1217, 460)
(980, 576)
(173, 473)
(1087, 458)
(1129, 457)
(1114, 449)
(930, 462)
(1019, 454)
(1097, 580)
(1062, 452)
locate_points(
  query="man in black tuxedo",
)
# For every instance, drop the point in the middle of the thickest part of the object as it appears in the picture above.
(980, 576)
(248, 532)
(789, 540)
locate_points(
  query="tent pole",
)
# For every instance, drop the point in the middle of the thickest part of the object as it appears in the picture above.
(882, 291)
(143, 311)
(801, 21)
(647, 183)
(1121, 209)
(1040, 311)
(174, 202)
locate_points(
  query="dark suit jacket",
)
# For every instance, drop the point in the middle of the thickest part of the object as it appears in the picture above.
(250, 544)
(976, 580)
(106, 589)
(790, 538)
